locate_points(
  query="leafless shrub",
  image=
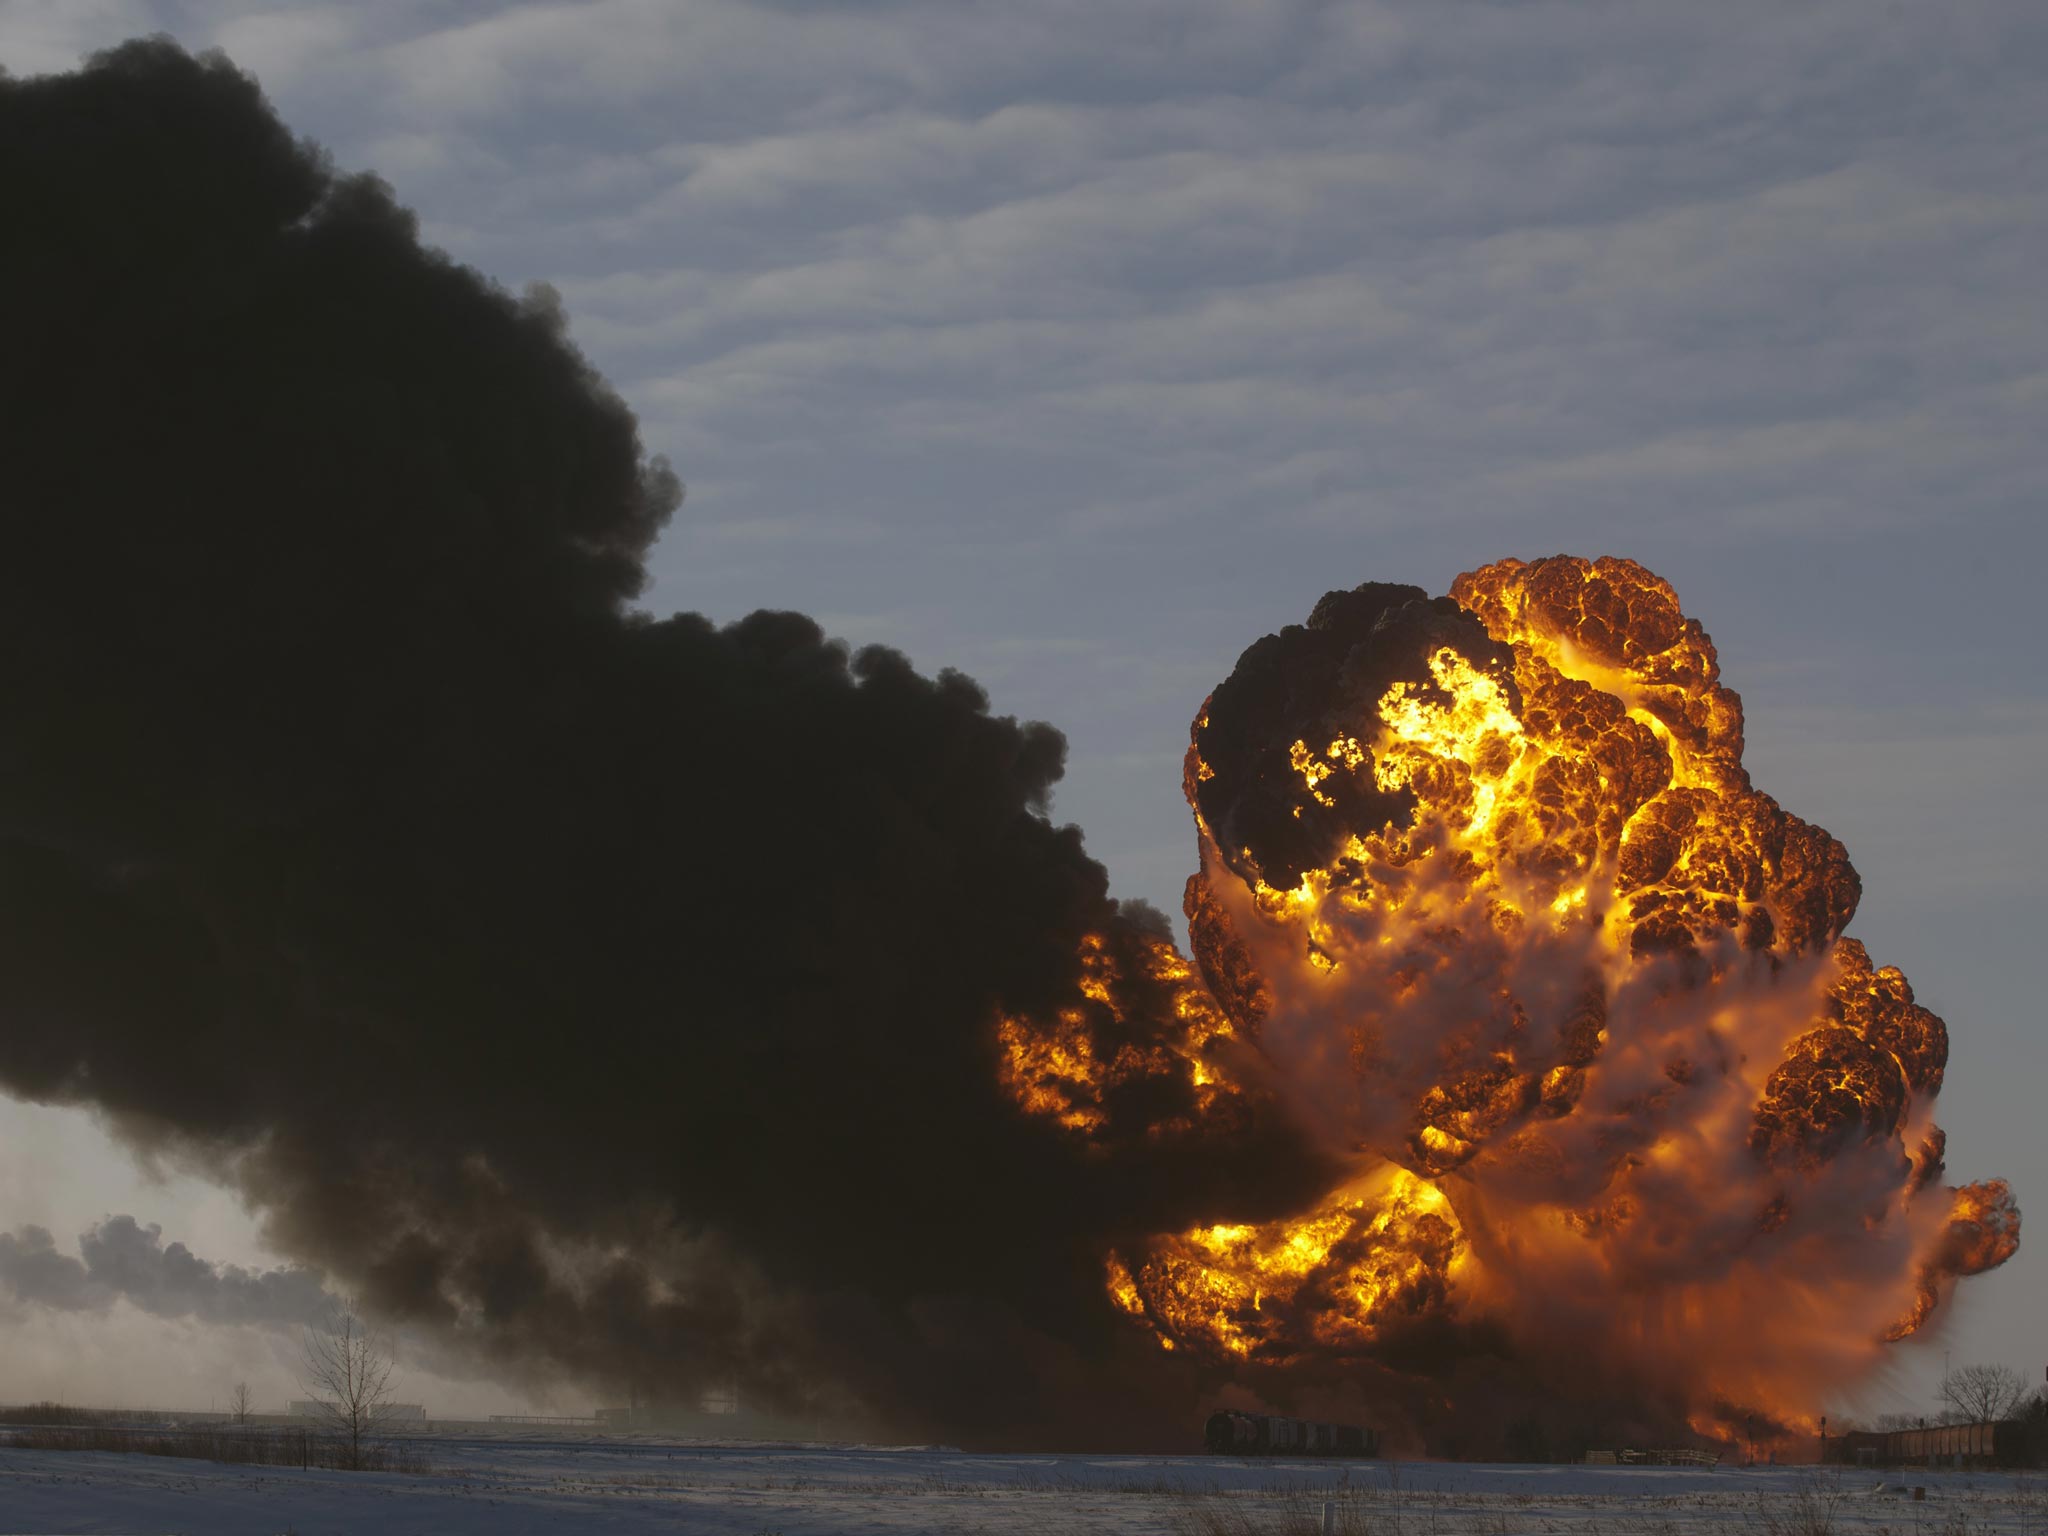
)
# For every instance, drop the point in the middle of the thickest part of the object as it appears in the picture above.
(53, 1413)
(1296, 1513)
(1811, 1509)
(1982, 1394)
(346, 1368)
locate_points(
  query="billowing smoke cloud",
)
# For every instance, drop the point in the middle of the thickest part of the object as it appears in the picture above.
(612, 995)
(660, 1005)
(119, 1259)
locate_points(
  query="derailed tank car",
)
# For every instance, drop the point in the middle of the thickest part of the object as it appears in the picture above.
(1231, 1433)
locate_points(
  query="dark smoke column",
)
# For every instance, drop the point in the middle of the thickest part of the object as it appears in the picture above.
(613, 997)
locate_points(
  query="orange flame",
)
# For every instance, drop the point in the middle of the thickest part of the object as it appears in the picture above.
(1382, 1247)
(1498, 915)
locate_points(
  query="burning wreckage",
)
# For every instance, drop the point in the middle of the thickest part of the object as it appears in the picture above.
(1488, 901)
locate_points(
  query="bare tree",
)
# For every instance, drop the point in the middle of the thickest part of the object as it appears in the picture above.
(347, 1372)
(1982, 1394)
(238, 1403)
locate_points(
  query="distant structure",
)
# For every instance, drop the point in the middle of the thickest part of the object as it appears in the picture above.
(1675, 1456)
(390, 1413)
(2005, 1443)
(714, 1403)
(1230, 1433)
(556, 1420)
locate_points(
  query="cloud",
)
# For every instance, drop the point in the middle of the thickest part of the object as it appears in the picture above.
(282, 47)
(1485, 263)
(38, 36)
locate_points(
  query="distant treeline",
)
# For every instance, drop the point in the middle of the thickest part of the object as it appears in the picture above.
(60, 1413)
(52, 1427)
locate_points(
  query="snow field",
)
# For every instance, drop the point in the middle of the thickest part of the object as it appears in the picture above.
(511, 1484)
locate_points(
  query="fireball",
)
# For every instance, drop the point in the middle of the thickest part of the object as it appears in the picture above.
(1488, 904)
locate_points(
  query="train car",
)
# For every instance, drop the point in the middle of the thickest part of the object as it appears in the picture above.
(1231, 1433)
(1353, 1441)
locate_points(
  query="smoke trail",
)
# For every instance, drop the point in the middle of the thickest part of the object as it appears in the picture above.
(122, 1260)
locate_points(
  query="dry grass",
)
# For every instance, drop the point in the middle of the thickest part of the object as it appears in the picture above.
(1817, 1504)
(1300, 1514)
(235, 1444)
(1811, 1509)
(1379, 1503)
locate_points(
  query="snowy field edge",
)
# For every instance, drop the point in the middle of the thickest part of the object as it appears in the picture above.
(531, 1484)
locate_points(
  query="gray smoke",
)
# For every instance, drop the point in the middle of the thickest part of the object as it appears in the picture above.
(120, 1259)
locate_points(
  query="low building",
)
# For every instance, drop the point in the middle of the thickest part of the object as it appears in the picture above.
(389, 1413)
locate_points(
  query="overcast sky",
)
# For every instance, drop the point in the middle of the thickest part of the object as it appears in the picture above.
(1078, 345)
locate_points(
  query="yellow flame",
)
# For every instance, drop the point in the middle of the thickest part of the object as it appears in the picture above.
(1340, 1271)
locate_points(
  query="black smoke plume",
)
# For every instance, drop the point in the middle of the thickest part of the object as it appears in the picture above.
(609, 995)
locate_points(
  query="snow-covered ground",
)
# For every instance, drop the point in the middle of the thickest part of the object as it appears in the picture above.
(515, 1483)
